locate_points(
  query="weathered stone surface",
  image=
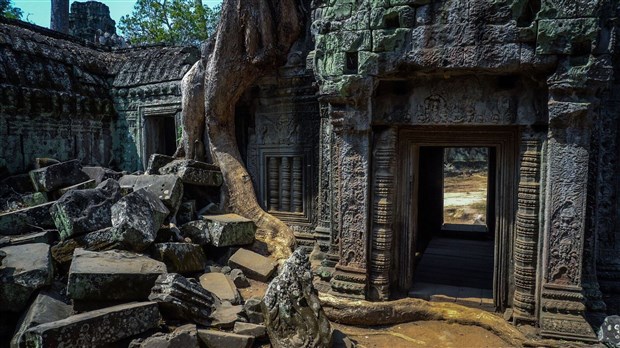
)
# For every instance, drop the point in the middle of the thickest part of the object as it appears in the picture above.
(226, 315)
(26, 220)
(197, 231)
(47, 307)
(249, 329)
(221, 286)
(100, 174)
(16, 201)
(230, 230)
(253, 265)
(239, 279)
(90, 184)
(609, 332)
(180, 257)
(253, 311)
(293, 313)
(81, 211)
(59, 175)
(187, 212)
(96, 328)
(101, 240)
(112, 275)
(47, 237)
(219, 339)
(137, 217)
(168, 188)
(179, 298)
(194, 172)
(25, 269)
(156, 161)
(185, 336)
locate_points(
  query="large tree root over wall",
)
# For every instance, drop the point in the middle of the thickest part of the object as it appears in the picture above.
(364, 313)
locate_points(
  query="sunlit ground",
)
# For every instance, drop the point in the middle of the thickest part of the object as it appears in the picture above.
(465, 199)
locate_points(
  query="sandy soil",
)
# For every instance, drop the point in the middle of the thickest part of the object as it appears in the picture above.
(465, 199)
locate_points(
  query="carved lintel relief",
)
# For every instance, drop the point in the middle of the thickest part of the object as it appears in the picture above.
(384, 158)
(527, 222)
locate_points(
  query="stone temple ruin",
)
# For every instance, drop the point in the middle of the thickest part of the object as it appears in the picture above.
(344, 144)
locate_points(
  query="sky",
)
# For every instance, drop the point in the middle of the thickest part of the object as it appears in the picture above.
(38, 11)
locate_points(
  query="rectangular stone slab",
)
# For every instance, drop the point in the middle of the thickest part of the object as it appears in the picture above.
(22, 221)
(96, 328)
(59, 175)
(219, 339)
(112, 275)
(253, 265)
(221, 286)
(230, 230)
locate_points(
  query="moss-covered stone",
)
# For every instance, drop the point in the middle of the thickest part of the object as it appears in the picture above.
(390, 39)
(566, 36)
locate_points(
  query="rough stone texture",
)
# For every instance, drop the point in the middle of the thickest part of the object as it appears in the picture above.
(100, 174)
(220, 285)
(112, 276)
(81, 211)
(219, 339)
(179, 298)
(249, 329)
(26, 220)
(293, 312)
(57, 176)
(194, 172)
(90, 184)
(137, 217)
(87, 19)
(96, 328)
(156, 161)
(185, 336)
(168, 188)
(187, 212)
(25, 269)
(253, 311)
(180, 257)
(47, 237)
(237, 276)
(609, 332)
(47, 307)
(197, 231)
(230, 230)
(101, 240)
(226, 315)
(253, 265)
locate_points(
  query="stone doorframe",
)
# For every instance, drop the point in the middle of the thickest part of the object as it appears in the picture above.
(504, 139)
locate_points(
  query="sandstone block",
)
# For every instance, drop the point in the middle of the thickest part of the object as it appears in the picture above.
(59, 175)
(253, 265)
(156, 161)
(100, 174)
(112, 275)
(194, 172)
(168, 188)
(185, 336)
(249, 329)
(219, 339)
(180, 257)
(101, 240)
(90, 184)
(197, 231)
(26, 220)
(230, 230)
(47, 237)
(221, 286)
(253, 311)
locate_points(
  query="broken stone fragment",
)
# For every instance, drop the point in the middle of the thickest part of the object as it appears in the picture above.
(221, 286)
(219, 339)
(253, 311)
(81, 211)
(100, 174)
(180, 257)
(59, 175)
(112, 275)
(184, 336)
(181, 299)
(156, 161)
(253, 265)
(90, 184)
(26, 220)
(92, 241)
(47, 307)
(25, 269)
(136, 218)
(16, 201)
(194, 172)
(239, 279)
(197, 231)
(226, 315)
(609, 332)
(96, 328)
(168, 188)
(293, 313)
(249, 329)
(47, 237)
(230, 230)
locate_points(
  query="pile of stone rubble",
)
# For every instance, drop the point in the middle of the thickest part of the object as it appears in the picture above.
(93, 257)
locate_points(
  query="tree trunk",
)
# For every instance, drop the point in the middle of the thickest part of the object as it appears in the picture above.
(252, 40)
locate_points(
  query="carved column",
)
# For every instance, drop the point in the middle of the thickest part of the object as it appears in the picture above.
(323, 229)
(285, 181)
(527, 222)
(273, 180)
(297, 201)
(384, 168)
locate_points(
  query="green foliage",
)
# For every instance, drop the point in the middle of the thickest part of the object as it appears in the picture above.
(9, 11)
(181, 22)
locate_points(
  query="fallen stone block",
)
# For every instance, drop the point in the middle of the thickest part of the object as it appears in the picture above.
(181, 299)
(239, 279)
(101, 240)
(156, 161)
(293, 313)
(81, 211)
(253, 265)
(47, 237)
(230, 230)
(47, 307)
(25, 269)
(90, 184)
(194, 172)
(112, 275)
(187, 212)
(100, 174)
(226, 315)
(16, 201)
(57, 176)
(168, 188)
(136, 218)
(221, 286)
(249, 329)
(180, 257)
(96, 328)
(197, 231)
(253, 311)
(185, 336)
(26, 220)
(219, 339)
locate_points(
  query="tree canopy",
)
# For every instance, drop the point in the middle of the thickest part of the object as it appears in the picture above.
(182, 22)
(10, 11)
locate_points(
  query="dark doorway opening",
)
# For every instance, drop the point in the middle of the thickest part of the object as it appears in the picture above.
(160, 135)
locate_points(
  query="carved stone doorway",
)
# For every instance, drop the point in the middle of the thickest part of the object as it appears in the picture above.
(503, 142)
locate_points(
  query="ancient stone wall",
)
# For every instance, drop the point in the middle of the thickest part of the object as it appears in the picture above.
(90, 19)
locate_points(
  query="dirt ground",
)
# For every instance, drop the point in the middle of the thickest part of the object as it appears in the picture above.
(465, 198)
(420, 334)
